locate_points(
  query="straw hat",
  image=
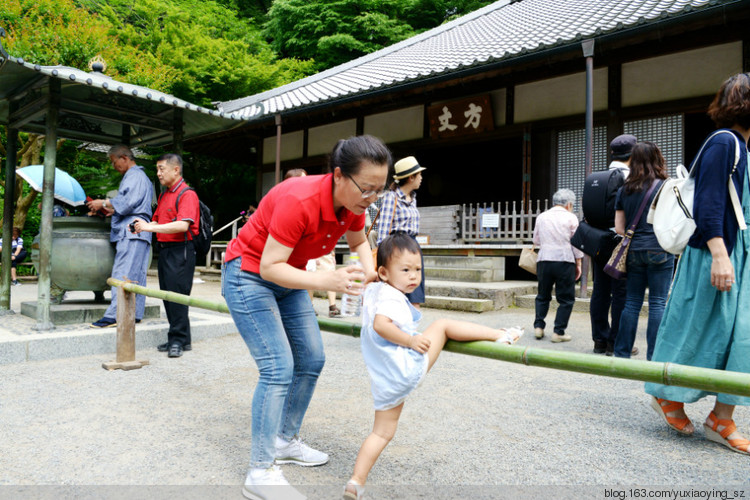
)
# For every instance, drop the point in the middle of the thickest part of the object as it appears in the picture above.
(406, 167)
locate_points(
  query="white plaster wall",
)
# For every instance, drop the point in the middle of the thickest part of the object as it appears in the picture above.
(291, 147)
(396, 126)
(686, 74)
(320, 140)
(560, 96)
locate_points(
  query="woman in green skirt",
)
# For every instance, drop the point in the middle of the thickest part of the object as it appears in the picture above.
(703, 323)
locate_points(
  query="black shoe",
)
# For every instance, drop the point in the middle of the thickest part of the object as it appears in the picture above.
(610, 349)
(104, 323)
(600, 347)
(165, 347)
(175, 351)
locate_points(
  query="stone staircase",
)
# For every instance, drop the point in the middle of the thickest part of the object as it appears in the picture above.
(471, 284)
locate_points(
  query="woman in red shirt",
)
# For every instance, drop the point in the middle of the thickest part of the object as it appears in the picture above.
(265, 285)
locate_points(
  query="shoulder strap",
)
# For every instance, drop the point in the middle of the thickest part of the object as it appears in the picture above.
(179, 195)
(644, 202)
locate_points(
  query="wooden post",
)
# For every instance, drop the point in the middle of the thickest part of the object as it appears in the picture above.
(125, 359)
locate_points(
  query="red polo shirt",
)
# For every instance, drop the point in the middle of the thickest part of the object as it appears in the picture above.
(298, 213)
(189, 211)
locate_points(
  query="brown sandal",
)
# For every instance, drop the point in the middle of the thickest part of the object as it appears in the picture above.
(740, 445)
(333, 311)
(664, 406)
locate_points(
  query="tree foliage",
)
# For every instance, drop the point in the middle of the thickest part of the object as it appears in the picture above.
(333, 32)
(215, 55)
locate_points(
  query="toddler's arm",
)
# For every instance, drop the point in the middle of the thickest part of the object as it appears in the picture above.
(387, 329)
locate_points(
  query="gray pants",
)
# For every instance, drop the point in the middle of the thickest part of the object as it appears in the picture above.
(131, 263)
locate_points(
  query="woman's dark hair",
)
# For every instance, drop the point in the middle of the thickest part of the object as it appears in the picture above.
(398, 241)
(348, 154)
(731, 106)
(646, 164)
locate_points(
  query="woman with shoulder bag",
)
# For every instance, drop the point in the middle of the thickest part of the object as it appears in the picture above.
(648, 264)
(398, 211)
(704, 323)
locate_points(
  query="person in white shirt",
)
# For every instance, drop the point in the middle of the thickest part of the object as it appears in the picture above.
(558, 264)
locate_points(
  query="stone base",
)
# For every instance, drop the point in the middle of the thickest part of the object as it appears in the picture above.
(80, 311)
(125, 365)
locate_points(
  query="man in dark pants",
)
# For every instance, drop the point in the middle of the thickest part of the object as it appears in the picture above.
(609, 292)
(175, 225)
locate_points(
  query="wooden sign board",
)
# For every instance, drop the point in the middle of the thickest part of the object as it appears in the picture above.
(461, 117)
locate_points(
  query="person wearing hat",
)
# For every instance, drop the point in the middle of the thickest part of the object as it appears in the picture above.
(399, 210)
(608, 294)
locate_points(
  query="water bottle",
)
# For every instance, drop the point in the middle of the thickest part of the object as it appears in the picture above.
(351, 304)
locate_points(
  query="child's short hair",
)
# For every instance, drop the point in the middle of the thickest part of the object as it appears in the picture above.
(398, 241)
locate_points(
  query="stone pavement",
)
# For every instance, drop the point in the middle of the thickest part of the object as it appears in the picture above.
(477, 428)
(20, 340)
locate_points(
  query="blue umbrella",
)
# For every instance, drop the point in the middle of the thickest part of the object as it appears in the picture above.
(67, 188)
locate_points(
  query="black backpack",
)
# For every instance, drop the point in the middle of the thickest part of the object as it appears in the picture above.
(599, 195)
(201, 241)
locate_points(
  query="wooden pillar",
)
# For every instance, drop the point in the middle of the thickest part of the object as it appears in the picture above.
(510, 104)
(43, 322)
(125, 358)
(277, 177)
(526, 179)
(614, 102)
(9, 211)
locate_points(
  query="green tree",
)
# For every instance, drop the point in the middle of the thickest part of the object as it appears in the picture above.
(334, 32)
(216, 55)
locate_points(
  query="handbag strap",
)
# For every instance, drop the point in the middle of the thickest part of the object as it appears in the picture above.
(644, 202)
(395, 201)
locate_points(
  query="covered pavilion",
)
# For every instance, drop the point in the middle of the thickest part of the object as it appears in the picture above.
(67, 103)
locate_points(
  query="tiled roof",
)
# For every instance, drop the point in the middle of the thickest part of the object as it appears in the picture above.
(498, 32)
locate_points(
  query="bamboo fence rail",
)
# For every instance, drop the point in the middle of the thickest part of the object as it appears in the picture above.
(706, 379)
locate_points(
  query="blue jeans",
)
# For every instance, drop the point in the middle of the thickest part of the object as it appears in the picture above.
(645, 267)
(279, 327)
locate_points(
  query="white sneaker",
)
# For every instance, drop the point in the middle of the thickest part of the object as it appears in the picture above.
(269, 484)
(297, 452)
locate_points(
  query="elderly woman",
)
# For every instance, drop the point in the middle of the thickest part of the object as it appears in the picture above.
(705, 322)
(559, 263)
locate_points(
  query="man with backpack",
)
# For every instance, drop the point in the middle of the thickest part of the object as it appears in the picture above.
(608, 294)
(176, 222)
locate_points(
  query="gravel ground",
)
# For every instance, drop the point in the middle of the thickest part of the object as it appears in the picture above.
(477, 428)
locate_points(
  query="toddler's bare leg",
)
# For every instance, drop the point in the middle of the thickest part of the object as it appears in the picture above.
(383, 431)
(443, 329)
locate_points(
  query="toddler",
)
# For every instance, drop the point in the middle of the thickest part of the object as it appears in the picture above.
(396, 354)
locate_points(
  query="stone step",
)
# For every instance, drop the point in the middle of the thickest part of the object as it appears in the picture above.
(459, 304)
(461, 261)
(460, 274)
(582, 304)
(500, 294)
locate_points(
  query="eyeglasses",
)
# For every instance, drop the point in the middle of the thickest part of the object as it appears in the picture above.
(367, 194)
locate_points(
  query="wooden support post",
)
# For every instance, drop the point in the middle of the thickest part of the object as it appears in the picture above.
(125, 359)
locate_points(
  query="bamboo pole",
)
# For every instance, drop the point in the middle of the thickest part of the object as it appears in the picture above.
(719, 381)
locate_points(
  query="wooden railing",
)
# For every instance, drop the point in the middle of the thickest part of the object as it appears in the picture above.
(499, 222)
